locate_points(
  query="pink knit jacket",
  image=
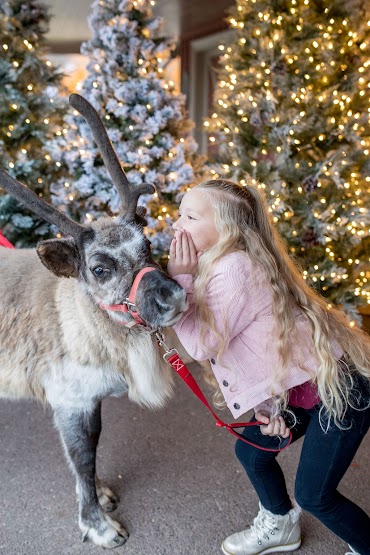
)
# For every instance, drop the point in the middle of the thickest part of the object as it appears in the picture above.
(240, 299)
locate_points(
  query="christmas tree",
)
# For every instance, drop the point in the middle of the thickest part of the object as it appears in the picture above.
(292, 115)
(144, 116)
(30, 112)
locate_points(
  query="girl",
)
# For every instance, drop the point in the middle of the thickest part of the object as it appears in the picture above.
(278, 347)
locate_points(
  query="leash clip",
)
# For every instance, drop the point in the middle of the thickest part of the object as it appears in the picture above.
(161, 340)
(169, 354)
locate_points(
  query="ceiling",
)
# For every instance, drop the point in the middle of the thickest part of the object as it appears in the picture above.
(69, 21)
(181, 18)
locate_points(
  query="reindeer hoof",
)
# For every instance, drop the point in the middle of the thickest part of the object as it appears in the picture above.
(84, 537)
(109, 507)
(119, 539)
(107, 499)
(116, 542)
(109, 534)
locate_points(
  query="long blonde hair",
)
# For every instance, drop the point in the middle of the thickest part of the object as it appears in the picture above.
(244, 224)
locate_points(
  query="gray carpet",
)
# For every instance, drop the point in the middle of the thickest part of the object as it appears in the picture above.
(182, 489)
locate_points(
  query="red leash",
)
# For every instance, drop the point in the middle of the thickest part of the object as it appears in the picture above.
(172, 356)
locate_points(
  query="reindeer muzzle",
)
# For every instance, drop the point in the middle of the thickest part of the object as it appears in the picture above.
(129, 304)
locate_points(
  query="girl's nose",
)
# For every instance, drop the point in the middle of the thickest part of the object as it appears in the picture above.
(176, 226)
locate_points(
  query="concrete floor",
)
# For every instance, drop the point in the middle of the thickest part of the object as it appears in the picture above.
(181, 488)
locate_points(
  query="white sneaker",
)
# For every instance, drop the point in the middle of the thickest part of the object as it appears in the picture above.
(269, 533)
(352, 552)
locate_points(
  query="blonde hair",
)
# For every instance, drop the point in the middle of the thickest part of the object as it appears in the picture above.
(244, 224)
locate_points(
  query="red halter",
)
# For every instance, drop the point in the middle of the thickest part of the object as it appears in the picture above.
(128, 305)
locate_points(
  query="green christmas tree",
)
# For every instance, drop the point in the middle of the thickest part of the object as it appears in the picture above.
(292, 115)
(31, 110)
(145, 119)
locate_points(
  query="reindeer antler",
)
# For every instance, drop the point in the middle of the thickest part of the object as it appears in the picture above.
(128, 193)
(39, 206)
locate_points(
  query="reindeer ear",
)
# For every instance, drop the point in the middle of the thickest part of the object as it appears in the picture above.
(60, 256)
(140, 216)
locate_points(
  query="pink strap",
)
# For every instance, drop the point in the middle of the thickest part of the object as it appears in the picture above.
(131, 298)
(135, 285)
(184, 373)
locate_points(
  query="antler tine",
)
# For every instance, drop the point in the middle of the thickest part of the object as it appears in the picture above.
(39, 206)
(128, 193)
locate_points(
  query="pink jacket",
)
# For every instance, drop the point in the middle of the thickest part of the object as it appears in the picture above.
(240, 298)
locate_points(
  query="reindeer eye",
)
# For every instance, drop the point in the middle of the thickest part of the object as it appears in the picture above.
(99, 271)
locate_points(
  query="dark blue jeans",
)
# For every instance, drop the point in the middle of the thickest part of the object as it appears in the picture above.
(324, 460)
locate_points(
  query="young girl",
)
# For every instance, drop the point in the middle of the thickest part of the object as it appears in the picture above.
(278, 347)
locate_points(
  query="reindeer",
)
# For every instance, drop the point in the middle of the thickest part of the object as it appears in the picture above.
(71, 342)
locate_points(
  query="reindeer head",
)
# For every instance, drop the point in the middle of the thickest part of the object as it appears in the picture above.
(106, 255)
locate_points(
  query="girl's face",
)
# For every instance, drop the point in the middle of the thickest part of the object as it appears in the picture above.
(197, 217)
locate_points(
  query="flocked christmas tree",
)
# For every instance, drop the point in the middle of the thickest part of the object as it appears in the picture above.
(292, 115)
(144, 116)
(31, 110)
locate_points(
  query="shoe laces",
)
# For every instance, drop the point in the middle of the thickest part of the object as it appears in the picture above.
(263, 525)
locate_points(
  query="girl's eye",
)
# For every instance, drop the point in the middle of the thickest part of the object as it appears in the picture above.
(190, 218)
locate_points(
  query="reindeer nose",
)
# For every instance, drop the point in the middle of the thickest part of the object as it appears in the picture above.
(173, 309)
(160, 299)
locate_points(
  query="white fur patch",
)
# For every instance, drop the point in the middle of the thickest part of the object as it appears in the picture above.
(152, 381)
(72, 385)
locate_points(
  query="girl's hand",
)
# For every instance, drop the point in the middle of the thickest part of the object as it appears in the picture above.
(272, 426)
(183, 256)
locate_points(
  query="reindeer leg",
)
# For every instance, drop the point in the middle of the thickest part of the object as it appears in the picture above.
(75, 428)
(107, 499)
